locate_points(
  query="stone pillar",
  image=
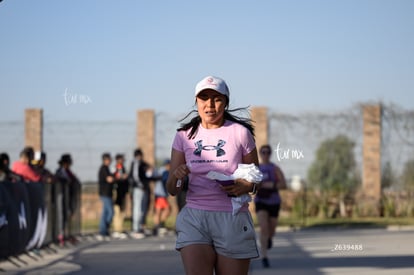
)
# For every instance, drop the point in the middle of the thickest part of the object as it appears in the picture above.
(146, 134)
(33, 129)
(146, 141)
(371, 177)
(261, 125)
(261, 130)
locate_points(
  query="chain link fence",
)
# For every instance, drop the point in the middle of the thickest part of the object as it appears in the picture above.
(294, 137)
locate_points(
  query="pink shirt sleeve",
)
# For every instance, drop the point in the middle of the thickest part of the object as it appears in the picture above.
(178, 141)
(246, 140)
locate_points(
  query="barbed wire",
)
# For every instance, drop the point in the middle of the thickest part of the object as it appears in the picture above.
(308, 130)
(87, 140)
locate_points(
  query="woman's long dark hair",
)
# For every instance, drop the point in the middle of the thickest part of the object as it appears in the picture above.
(228, 115)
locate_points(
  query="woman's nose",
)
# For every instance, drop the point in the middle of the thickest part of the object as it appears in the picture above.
(211, 102)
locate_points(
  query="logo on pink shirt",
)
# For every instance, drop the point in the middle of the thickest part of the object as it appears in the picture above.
(218, 148)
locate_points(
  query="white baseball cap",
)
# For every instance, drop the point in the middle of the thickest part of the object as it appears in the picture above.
(214, 83)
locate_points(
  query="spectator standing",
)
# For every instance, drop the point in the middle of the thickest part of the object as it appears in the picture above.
(40, 168)
(121, 188)
(67, 199)
(8, 175)
(23, 166)
(268, 201)
(3, 171)
(105, 181)
(140, 177)
(161, 205)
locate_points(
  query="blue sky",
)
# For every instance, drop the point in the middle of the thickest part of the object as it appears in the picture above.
(120, 56)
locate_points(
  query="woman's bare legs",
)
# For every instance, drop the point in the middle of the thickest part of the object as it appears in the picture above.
(201, 259)
(198, 259)
(229, 266)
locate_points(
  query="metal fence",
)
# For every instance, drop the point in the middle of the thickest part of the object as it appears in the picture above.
(304, 132)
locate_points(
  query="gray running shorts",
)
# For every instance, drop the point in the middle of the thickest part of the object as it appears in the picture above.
(231, 236)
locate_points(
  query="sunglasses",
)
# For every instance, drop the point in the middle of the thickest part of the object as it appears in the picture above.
(265, 152)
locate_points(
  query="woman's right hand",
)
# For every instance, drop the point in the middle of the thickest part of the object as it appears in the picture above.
(181, 171)
(178, 170)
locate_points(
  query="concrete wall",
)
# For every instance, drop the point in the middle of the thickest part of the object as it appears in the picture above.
(33, 128)
(261, 125)
(146, 134)
(371, 174)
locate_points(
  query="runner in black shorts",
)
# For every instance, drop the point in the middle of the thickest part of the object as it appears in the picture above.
(267, 201)
(272, 210)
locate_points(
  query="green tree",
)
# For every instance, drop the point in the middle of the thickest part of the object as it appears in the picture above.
(334, 166)
(334, 173)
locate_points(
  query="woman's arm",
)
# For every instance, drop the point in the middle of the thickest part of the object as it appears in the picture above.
(243, 186)
(251, 158)
(178, 170)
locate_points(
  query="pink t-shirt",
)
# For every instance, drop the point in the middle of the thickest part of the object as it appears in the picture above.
(25, 171)
(218, 150)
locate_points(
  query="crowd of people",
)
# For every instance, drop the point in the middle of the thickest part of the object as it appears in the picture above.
(116, 182)
(31, 167)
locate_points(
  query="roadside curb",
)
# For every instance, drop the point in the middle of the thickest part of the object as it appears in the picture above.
(400, 228)
(391, 228)
(44, 257)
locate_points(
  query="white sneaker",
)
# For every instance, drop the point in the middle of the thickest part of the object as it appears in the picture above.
(119, 235)
(162, 231)
(137, 235)
(99, 238)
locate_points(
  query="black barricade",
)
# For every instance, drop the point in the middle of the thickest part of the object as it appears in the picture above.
(38, 215)
(75, 209)
(61, 213)
(51, 213)
(18, 220)
(5, 202)
(34, 214)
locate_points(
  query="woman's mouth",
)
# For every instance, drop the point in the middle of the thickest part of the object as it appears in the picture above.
(210, 113)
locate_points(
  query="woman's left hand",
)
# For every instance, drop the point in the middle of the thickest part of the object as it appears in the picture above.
(240, 187)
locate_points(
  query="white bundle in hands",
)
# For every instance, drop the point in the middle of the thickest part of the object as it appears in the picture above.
(249, 172)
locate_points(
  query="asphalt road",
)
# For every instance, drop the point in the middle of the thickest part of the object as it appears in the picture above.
(311, 252)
